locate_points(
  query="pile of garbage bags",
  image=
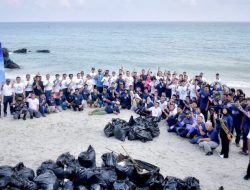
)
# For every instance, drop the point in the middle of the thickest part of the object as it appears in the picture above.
(140, 128)
(118, 172)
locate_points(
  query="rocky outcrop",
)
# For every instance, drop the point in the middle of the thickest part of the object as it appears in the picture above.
(43, 51)
(8, 63)
(23, 50)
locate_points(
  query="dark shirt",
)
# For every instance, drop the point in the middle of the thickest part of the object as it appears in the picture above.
(213, 135)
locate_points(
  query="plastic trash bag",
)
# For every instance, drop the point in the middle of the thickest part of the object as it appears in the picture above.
(45, 166)
(6, 171)
(47, 181)
(68, 185)
(125, 169)
(24, 172)
(109, 159)
(123, 185)
(65, 159)
(87, 159)
(173, 183)
(81, 187)
(4, 182)
(109, 130)
(119, 133)
(142, 134)
(96, 187)
(192, 183)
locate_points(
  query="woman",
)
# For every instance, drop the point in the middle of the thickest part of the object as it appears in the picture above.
(247, 176)
(228, 121)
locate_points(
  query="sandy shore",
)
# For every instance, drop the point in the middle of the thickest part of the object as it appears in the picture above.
(34, 141)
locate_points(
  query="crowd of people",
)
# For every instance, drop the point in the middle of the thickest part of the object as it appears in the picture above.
(206, 113)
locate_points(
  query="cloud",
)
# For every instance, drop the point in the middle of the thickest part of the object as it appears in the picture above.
(72, 3)
(190, 2)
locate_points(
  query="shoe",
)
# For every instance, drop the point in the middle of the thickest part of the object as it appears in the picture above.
(31, 117)
(209, 154)
(43, 115)
(5, 115)
(246, 177)
(237, 144)
(19, 117)
(221, 155)
(243, 153)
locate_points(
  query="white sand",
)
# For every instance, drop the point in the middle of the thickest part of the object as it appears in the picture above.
(34, 141)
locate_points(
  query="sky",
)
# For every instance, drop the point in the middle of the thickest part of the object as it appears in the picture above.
(124, 10)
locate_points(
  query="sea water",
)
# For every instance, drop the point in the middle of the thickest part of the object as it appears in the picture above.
(193, 47)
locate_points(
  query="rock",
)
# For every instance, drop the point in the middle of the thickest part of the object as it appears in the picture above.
(8, 63)
(43, 51)
(23, 50)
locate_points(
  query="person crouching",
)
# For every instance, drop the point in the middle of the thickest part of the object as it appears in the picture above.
(20, 108)
(77, 103)
(33, 103)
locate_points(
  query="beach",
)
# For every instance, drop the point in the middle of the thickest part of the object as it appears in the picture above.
(37, 140)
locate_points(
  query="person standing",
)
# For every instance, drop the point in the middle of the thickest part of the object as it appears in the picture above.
(48, 85)
(38, 86)
(98, 80)
(28, 85)
(7, 94)
(18, 89)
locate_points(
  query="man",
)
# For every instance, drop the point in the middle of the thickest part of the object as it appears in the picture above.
(156, 110)
(52, 103)
(185, 126)
(98, 81)
(182, 90)
(64, 85)
(197, 132)
(38, 86)
(129, 80)
(19, 108)
(7, 94)
(33, 106)
(18, 88)
(85, 95)
(28, 85)
(77, 103)
(48, 86)
(204, 96)
(210, 142)
(43, 106)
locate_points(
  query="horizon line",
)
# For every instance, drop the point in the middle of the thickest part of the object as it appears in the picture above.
(139, 21)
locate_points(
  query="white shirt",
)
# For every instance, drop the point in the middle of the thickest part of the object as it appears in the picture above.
(156, 112)
(79, 83)
(33, 103)
(129, 81)
(48, 85)
(56, 85)
(64, 84)
(89, 82)
(173, 89)
(7, 90)
(28, 86)
(18, 88)
(193, 91)
(105, 81)
(93, 77)
(113, 79)
(182, 91)
(71, 84)
(163, 105)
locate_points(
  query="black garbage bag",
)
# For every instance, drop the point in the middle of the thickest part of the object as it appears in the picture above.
(118, 121)
(120, 133)
(143, 172)
(109, 130)
(30, 185)
(87, 159)
(106, 177)
(123, 185)
(131, 121)
(81, 187)
(173, 183)
(142, 134)
(24, 172)
(192, 183)
(4, 182)
(102, 176)
(96, 187)
(66, 172)
(109, 159)
(11, 188)
(6, 171)
(155, 182)
(45, 166)
(47, 181)
(65, 159)
(85, 176)
(132, 134)
(124, 168)
(66, 185)
(17, 181)
(155, 131)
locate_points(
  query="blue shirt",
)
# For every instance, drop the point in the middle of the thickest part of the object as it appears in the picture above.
(213, 135)
(203, 99)
(98, 79)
